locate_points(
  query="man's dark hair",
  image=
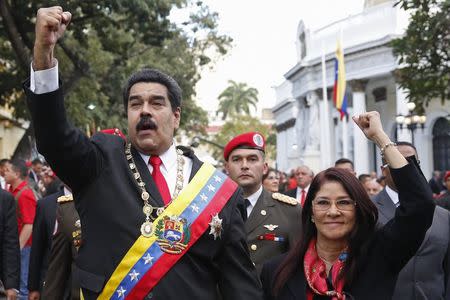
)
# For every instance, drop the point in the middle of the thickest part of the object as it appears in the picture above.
(363, 177)
(19, 165)
(344, 161)
(403, 143)
(153, 75)
(36, 161)
(3, 161)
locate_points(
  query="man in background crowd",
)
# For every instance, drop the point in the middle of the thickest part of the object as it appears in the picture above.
(304, 176)
(346, 164)
(16, 174)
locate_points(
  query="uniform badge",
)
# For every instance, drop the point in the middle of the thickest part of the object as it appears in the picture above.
(216, 226)
(263, 212)
(271, 227)
(173, 234)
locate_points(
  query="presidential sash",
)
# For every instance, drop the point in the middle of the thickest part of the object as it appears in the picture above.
(175, 231)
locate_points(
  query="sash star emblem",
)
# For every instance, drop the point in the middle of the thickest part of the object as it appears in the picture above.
(211, 188)
(217, 178)
(204, 197)
(216, 226)
(134, 275)
(121, 292)
(194, 208)
(148, 259)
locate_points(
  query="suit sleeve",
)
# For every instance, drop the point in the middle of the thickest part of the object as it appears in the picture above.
(402, 236)
(447, 268)
(59, 267)
(70, 153)
(10, 244)
(238, 277)
(37, 249)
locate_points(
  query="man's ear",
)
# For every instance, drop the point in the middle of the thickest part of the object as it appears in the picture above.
(266, 168)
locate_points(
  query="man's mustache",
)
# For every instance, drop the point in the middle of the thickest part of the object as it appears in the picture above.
(146, 123)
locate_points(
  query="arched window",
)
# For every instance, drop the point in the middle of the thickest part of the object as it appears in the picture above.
(441, 144)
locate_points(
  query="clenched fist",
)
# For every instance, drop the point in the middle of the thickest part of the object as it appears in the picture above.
(51, 22)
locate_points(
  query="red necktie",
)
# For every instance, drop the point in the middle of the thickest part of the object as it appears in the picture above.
(303, 197)
(159, 179)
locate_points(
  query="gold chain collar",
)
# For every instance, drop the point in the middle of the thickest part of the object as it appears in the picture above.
(147, 226)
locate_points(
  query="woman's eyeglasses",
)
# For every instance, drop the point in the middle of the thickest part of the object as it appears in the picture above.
(272, 178)
(341, 204)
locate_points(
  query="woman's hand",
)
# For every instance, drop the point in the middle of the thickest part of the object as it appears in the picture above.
(370, 125)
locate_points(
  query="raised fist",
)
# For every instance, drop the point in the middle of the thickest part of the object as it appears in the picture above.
(51, 22)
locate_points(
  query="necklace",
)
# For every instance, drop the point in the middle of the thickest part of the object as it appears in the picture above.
(148, 209)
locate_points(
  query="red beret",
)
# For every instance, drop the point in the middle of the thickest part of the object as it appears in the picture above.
(447, 175)
(114, 131)
(249, 140)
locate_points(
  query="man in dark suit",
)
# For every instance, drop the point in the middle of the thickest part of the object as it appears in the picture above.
(426, 275)
(273, 220)
(43, 227)
(9, 246)
(126, 193)
(304, 176)
(60, 282)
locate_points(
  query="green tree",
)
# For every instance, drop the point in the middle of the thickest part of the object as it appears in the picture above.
(236, 99)
(243, 124)
(105, 42)
(424, 52)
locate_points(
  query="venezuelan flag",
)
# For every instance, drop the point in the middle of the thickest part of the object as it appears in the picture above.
(339, 97)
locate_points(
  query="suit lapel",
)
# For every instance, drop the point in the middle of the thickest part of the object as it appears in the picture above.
(155, 196)
(385, 205)
(256, 218)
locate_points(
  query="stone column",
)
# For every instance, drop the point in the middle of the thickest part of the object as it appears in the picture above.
(402, 134)
(326, 144)
(361, 144)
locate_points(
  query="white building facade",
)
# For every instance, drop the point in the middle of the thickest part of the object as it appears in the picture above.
(304, 133)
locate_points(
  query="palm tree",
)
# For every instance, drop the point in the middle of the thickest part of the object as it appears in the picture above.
(236, 99)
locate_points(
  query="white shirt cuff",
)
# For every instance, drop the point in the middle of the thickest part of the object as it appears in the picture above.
(44, 81)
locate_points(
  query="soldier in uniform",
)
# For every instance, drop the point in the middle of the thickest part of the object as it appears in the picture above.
(59, 282)
(273, 220)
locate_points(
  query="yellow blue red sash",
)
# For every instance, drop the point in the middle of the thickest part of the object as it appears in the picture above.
(175, 231)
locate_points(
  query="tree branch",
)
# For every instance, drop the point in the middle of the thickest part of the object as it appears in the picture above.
(21, 50)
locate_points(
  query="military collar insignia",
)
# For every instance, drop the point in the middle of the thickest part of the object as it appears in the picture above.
(271, 227)
(216, 226)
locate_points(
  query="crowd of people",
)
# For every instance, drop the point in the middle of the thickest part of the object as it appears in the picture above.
(140, 217)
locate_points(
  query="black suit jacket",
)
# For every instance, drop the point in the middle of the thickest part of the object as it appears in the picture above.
(389, 248)
(109, 204)
(9, 242)
(427, 273)
(291, 193)
(43, 227)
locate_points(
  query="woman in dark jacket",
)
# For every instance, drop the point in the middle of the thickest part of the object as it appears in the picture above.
(342, 254)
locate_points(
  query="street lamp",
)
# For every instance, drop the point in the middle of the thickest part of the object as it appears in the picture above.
(411, 121)
(197, 139)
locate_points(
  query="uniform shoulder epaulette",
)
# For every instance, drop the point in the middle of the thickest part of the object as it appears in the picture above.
(64, 198)
(284, 198)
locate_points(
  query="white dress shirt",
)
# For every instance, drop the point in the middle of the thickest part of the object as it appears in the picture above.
(253, 199)
(393, 195)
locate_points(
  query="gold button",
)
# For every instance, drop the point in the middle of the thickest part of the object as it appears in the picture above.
(253, 247)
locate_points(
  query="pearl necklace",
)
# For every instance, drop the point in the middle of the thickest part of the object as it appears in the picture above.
(148, 209)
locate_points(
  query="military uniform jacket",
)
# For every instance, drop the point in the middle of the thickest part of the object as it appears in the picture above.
(60, 282)
(43, 227)
(271, 218)
(108, 201)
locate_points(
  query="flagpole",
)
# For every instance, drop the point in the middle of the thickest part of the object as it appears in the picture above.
(344, 137)
(326, 118)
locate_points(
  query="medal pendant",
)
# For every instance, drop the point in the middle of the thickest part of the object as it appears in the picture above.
(147, 210)
(159, 211)
(147, 229)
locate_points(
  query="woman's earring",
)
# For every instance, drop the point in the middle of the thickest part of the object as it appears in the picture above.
(312, 219)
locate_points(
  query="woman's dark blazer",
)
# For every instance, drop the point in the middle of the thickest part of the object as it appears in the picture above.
(390, 247)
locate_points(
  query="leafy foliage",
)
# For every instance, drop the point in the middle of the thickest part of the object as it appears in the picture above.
(105, 42)
(236, 99)
(242, 124)
(424, 52)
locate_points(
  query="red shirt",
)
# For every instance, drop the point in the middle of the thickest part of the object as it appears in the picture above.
(26, 207)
